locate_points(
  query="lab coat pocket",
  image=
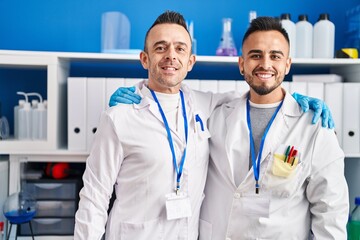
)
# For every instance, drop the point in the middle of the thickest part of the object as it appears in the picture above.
(284, 174)
(205, 230)
(201, 139)
(283, 167)
(141, 231)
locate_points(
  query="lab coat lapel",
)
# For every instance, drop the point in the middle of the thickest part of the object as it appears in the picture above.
(237, 138)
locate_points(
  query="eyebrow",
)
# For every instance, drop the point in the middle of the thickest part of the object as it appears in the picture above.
(167, 43)
(272, 52)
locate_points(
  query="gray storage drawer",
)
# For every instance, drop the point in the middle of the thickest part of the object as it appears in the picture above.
(48, 189)
(48, 226)
(55, 208)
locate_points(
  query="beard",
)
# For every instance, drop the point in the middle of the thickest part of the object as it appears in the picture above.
(262, 89)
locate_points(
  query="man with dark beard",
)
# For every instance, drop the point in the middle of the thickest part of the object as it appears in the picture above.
(272, 175)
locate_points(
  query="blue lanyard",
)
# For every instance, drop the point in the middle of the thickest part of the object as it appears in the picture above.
(179, 169)
(256, 165)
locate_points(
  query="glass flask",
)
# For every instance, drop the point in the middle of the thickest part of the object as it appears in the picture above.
(19, 208)
(227, 46)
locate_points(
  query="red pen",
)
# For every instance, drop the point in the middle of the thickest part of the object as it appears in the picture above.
(294, 156)
(290, 154)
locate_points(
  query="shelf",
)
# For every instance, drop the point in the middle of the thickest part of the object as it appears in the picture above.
(88, 57)
(54, 156)
(60, 65)
(56, 76)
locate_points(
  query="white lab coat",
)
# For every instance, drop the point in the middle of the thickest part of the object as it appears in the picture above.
(131, 151)
(314, 197)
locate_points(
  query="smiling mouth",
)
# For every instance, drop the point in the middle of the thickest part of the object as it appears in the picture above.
(169, 68)
(264, 75)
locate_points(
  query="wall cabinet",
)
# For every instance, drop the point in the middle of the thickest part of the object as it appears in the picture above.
(60, 65)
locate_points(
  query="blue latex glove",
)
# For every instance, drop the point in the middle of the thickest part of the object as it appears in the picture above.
(318, 106)
(124, 95)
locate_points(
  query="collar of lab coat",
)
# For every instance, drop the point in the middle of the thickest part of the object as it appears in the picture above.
(290, 111)
(150, 104)
(290, 107)
(145, 102)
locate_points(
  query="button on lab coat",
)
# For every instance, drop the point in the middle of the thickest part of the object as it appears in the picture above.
(314, 197)
(131, 153)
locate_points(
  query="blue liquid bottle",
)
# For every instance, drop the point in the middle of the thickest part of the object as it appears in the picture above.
(227, 46)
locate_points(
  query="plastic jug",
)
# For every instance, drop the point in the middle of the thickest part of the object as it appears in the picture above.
(115, 32)
(304, 37)
(290, 28)
(324, 37)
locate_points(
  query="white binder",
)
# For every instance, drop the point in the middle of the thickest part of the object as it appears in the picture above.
(77, 114)
(333, 97)
(351, 118)
(299, 87)
(130, 82)
(316, 90)
(226, 86)
(209, 86)
(95, 106)
(286, 85)
(111, 85)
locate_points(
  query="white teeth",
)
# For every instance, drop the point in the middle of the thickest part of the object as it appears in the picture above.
(169, 68)
(264, 75)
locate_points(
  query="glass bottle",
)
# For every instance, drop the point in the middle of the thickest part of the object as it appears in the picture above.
(354, 223)
(227, 46)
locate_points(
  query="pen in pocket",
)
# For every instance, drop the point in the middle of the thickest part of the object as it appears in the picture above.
(198, 119)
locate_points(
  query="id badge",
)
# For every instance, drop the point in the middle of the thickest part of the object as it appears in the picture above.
(177, 206)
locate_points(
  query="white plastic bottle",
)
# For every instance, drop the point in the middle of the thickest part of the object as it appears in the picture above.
(16, 117)
(324, 37)
(304, 37)
(252, 16)
(34, 117)
(290, 28)
(41, 113)
(39, 118)
(25, 119)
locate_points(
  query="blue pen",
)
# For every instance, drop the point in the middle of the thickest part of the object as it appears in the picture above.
(198, 119)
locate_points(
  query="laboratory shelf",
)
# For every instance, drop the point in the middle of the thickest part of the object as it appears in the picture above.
(61, 65)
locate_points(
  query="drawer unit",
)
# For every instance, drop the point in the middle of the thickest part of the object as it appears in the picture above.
(57, 201)
(56, 208)
(48, 226)
(52, 189)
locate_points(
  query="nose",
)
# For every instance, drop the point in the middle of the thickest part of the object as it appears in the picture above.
(171, 53)
(265, 63)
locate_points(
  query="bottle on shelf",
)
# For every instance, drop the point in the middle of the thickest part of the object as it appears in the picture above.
(227, 46)
(16, 117)
(24, 119)
(252, 16)
(39, 118)
(290, 28)
(354, 222)
(324, 37)
(304, 37)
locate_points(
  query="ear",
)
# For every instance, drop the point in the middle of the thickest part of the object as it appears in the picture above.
(191, 62)
(288, 65)
(241, 65)
(144, 59)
